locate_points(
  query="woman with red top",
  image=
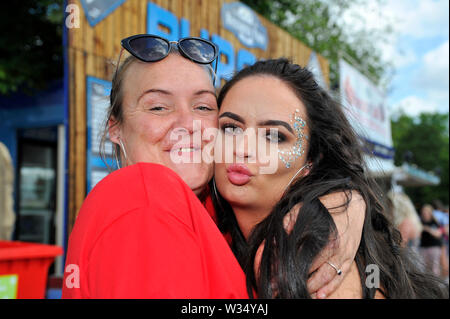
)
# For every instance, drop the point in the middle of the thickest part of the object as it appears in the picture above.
(143, 231)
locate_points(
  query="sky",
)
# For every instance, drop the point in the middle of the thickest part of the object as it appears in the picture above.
(418, 48)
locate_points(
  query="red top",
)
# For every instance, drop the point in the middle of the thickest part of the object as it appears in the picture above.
(142, 233)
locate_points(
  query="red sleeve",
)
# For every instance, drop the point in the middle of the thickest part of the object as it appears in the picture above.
(141, 256)
(150, 239)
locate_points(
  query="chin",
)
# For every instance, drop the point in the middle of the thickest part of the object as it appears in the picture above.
(196, 176)
(235, 195)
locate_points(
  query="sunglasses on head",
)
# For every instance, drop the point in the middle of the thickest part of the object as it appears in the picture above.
(152, 48)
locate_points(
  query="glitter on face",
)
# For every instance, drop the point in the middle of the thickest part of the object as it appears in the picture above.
(289, 156)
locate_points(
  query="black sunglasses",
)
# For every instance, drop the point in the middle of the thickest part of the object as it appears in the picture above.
(152, 48)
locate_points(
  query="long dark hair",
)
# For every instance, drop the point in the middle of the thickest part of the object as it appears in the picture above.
(337, 165)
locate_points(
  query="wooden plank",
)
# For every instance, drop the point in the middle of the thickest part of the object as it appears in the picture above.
(188, 10)
(127, 24)
(133, 11)
(324, 68)
(88, 31)
(203, 21)
(212, 17)
(77, 133)
(118, 21)
(80, 129)
(90, 64)
(99, 45)
(77, 40)
(108, 35)
(71, 146)
(142, 13)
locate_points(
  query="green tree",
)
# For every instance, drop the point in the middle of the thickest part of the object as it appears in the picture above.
(318, 24)
(427, 139)
(31, 51)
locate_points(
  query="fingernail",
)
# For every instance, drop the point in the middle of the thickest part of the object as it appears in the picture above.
(321, 295)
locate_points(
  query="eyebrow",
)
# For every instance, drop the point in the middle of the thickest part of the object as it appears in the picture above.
(154, 91)
(206, 92)
(277, 123)
(165, 92)
(232, 116)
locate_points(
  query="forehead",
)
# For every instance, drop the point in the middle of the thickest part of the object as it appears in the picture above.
(174, 73)
(263, 97)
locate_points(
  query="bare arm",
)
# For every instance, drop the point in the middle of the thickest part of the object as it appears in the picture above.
(349, 223)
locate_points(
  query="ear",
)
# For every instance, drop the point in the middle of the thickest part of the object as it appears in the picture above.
(113, 130)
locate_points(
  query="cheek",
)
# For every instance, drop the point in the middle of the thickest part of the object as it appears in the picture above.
(222, 151)
(210, 122)
(147, 130)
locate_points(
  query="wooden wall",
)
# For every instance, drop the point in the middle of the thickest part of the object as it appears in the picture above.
(94, 51)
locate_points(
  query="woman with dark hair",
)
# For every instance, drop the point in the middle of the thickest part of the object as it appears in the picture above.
(147, 230)
(280, 222)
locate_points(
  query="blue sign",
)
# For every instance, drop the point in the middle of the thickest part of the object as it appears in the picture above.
(97, 10)
(165, 24)
(244, 24)
(98, 92)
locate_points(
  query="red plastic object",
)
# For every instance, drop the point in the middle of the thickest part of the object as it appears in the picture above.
(30, 262)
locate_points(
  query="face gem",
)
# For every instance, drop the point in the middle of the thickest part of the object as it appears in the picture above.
(288, 157)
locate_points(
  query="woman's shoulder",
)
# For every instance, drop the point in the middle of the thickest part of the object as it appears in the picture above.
(129, 185)
(120, 192)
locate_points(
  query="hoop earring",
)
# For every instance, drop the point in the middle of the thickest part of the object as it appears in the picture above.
(308, 165)
(214, 188)
(123, 150)
(117, 159)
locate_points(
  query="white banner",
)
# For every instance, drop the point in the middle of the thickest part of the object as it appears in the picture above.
(364, 104)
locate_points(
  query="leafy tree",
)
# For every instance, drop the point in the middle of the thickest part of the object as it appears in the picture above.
(424, 141)
(31, 44)
(319, 24)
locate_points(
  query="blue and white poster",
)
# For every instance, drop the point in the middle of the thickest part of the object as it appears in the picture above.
(98, 92)
(365, 106)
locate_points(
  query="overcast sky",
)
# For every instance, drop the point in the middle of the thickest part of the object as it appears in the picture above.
(419, 49)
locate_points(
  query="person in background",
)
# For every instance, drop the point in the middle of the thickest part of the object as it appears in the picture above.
(405, 218)
(431, 240)
(445, 252)
(440, 213)
(7, 216)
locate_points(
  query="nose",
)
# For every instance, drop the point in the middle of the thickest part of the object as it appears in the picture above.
(186, 122)
(246, 145)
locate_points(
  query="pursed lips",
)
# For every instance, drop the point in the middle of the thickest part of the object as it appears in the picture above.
(238, 174)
